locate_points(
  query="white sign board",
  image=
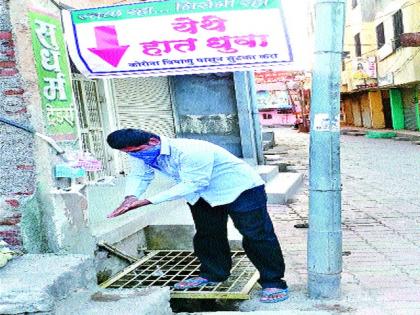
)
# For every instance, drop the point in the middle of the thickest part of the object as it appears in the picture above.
(323, 122)
(177, 37)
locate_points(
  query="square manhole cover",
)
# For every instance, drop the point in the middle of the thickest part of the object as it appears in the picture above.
(166, 267)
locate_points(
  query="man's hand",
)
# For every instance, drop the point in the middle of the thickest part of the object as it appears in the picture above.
(129, 203)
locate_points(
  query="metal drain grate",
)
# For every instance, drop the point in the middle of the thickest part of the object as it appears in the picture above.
(167, 267)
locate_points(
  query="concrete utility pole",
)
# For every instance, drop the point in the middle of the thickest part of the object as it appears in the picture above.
(324, 234)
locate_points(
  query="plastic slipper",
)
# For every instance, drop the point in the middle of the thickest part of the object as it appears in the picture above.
(191, 283)
(274, 295)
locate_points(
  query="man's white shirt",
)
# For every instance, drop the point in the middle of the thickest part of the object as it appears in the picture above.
(199, 169)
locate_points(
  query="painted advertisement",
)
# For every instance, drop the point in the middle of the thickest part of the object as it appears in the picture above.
(54, 81)
(365, 72)
(177, 37)
(273, 99)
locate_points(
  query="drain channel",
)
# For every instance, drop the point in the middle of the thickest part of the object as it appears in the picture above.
(166, 267)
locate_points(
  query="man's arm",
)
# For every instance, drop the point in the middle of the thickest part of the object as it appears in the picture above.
(195, 172)
(139, 178)
(136, 184)
(129, 203)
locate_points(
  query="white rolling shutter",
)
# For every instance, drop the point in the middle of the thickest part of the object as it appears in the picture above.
(144, 103)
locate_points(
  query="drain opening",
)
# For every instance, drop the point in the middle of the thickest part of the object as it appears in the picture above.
(166, 267)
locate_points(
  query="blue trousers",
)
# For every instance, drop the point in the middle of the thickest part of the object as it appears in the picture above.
(249, 215)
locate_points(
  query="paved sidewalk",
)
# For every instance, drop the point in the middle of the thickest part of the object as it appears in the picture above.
(381, 228)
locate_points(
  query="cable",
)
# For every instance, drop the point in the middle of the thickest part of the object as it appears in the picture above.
(61, 6)
(399, 69)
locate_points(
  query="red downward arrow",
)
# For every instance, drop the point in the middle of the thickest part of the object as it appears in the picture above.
(107, 46)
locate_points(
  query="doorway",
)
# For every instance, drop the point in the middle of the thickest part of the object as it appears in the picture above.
(386, 104)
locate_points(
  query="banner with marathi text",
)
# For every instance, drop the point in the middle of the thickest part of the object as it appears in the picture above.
(177, 37)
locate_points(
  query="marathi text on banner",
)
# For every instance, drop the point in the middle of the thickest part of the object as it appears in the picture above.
(175, 37)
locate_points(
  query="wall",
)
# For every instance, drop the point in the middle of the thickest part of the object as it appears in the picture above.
(403, 63)
(276, 119)
(205, 108)
(34, 215)
(358, 20)
(399, 66)
(17, 168)
(369, 10)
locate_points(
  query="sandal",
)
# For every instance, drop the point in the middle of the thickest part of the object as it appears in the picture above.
(192, 283)
(274, 295)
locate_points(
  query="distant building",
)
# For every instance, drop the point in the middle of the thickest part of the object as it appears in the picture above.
(280, 97)
(380, 75)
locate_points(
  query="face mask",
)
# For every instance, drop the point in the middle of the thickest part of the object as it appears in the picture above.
(148, 156)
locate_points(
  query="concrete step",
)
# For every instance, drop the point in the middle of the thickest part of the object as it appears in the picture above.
(277, 150)
(402, 138)
(150, 301)
(267, 172)
(413, 135)
(33, 283)
(274, 157)
(282, 187)
(267, 145)
(281, 165)
(356, 133)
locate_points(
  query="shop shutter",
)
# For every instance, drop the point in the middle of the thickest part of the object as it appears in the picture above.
(357, 115)
(144, 103)
(409, 101)
(366, 114)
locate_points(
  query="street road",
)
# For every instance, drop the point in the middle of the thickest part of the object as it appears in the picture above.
(380, 221)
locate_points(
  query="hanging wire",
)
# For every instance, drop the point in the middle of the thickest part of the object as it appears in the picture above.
(61, 6)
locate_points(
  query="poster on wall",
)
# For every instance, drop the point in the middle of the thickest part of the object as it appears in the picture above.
(54, 82)
(177, 37)
(364, 72)
(273, 100)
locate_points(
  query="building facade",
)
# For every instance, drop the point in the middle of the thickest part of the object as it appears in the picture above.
(282, 97)
(381, 75)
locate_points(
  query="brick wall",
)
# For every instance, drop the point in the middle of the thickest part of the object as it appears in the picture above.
(17, 170)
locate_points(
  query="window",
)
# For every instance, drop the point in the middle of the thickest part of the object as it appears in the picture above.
(267, 116)
(92, 126)
(380, 35)
(397, 19)
(353, 4)
(284, 111)
(358, 45)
